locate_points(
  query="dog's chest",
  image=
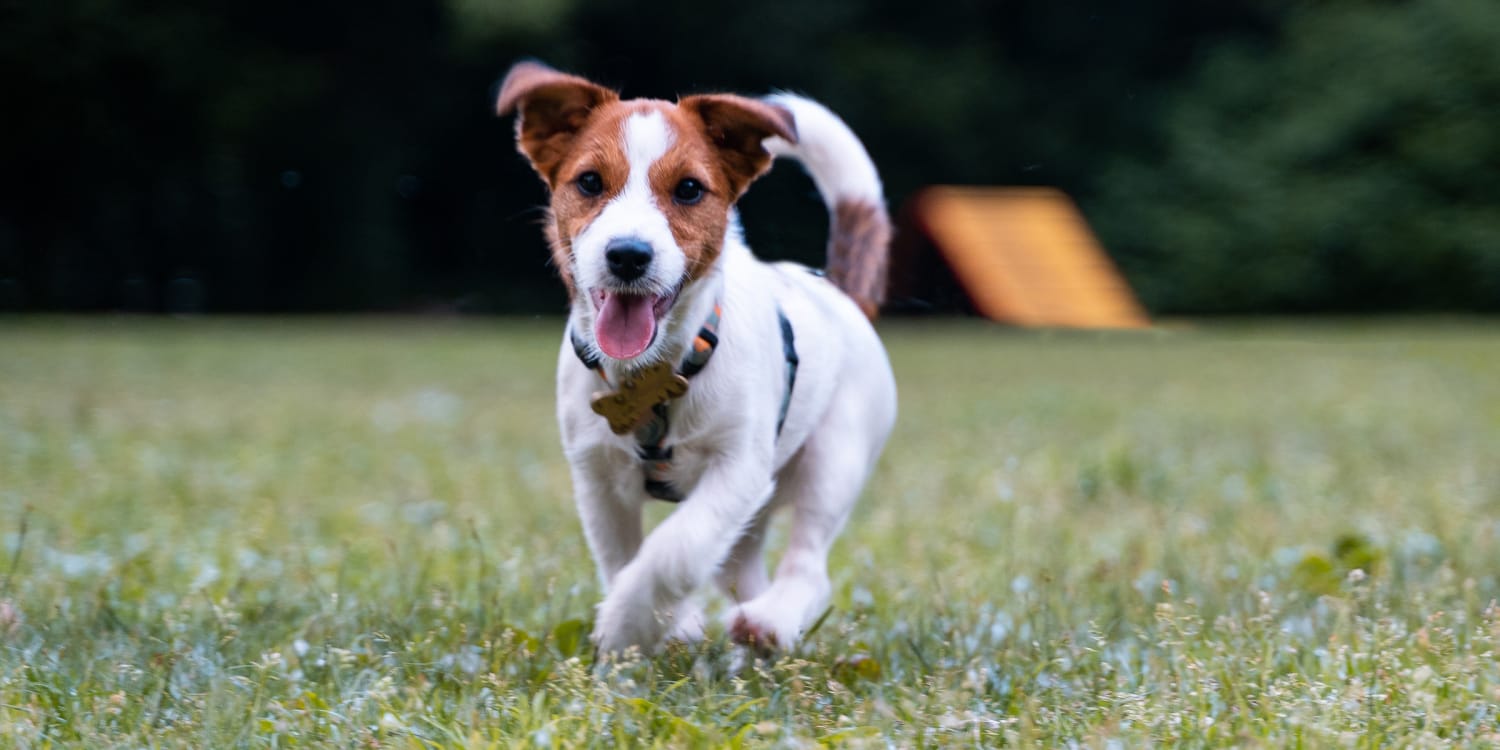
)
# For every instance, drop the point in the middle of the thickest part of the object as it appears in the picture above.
(688, 461)
(667, 469)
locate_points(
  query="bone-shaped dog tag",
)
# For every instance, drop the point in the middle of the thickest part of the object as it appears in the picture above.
(627, 407)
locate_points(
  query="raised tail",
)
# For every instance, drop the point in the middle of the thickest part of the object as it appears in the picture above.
(859, 234)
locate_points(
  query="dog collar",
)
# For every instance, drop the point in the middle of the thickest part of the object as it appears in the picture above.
(642, 399)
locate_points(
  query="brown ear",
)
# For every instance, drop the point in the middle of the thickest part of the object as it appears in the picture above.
(737, 126)
(554, 107)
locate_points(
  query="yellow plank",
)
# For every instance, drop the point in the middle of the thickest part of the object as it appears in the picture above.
(1026, 256)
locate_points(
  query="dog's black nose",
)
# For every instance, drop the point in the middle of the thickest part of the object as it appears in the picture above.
(627, 258)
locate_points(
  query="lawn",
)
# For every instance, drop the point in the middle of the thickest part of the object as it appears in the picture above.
(359, 532)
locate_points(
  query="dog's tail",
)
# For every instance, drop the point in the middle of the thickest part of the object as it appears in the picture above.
(859, 234)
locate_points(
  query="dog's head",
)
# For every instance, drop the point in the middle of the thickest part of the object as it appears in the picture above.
(641, 190)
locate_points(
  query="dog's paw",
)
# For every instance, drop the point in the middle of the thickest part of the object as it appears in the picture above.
(687, 624)
(763, 626)
(616, 634)
(625, 620)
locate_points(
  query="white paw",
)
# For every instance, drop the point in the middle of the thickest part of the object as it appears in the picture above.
(626, 619)
(763, 624)
(687, 624)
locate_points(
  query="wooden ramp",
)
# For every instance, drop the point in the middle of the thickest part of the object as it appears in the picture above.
(1025, 256)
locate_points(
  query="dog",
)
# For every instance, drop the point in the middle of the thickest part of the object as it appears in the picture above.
(692, 372)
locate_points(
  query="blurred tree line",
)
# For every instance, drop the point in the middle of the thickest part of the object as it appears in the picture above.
(1240, 155)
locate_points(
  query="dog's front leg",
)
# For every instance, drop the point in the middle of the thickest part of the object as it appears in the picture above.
(611, 519)
(684, 551)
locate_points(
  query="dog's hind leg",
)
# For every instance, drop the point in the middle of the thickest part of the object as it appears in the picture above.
(821, 485)
(821, 492)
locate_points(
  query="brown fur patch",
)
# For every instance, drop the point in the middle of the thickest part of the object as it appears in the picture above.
(554, 108)
(736, 127)
(698, 228)
(858, 252)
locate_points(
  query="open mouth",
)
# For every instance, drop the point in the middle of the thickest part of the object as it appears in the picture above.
(625, 320)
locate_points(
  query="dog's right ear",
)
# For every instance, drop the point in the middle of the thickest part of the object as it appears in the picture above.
(554, 107)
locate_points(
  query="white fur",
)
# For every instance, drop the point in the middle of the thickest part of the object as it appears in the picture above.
(832, 154)
(733, 468)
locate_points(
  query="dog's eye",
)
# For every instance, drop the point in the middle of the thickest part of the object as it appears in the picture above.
(590, 184)
(688, 192)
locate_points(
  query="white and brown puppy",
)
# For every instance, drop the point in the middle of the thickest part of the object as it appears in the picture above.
(789, 395)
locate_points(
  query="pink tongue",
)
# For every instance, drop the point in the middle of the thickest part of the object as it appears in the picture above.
(626, 324)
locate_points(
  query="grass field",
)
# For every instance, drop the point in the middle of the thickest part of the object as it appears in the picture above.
(360, 533)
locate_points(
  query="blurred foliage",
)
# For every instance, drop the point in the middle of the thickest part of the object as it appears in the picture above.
(481, 21)
(1351, 164)
(1239, 155)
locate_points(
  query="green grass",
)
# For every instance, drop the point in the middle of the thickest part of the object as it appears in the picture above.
(360, 533)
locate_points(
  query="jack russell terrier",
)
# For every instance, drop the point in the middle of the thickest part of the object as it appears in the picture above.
(693, 372)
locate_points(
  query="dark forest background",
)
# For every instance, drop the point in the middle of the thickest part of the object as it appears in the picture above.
(280, 155)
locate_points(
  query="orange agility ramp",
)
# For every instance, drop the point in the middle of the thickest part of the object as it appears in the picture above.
(1025, 256)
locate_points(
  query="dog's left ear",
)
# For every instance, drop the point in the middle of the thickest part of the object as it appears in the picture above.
(554, 107)
(737, 127)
